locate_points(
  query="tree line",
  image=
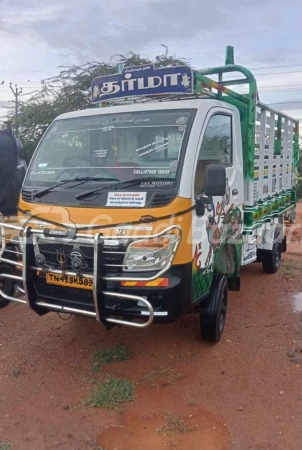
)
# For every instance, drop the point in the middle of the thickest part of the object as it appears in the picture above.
(70, 91)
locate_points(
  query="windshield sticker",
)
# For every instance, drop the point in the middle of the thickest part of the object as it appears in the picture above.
(144, 120)
(151, 172)
(127, 199)
(181, 120)
(54, 129)
(153, 184)
(110, 128)
(154, 147)
(43, 165)
(117, 120)
(174, 163)
(100, 153)
(43, 172)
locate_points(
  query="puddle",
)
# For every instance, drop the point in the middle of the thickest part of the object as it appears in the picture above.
(298, 302)
(205, 431)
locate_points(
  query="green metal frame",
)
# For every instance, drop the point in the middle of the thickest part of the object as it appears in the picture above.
(246, 104)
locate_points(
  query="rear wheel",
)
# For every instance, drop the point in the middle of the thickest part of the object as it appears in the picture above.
(213, 310)
(6, 286)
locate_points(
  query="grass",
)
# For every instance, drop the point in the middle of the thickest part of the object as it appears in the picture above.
(93, 446)
(5, 446)
(162, 377)
(111, 393)
(15, 373)
(104, 357)
(289, 267)
(174, 423)
(192, 403)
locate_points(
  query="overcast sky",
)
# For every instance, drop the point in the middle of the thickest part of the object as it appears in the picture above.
(37, 37)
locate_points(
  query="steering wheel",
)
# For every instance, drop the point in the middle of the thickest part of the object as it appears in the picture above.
(76, 162)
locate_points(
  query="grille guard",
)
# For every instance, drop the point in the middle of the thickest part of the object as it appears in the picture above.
(25, 235)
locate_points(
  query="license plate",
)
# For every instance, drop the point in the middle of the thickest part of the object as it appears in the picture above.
(69, 281)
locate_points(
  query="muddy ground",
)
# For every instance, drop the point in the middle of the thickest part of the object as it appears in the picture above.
(243, 393)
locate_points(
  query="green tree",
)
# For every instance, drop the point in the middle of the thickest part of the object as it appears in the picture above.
(70, 91)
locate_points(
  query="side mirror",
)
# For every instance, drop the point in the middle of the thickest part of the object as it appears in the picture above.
(215, 180)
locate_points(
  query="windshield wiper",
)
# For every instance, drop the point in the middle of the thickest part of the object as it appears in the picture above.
(62, 182)
(132, 181)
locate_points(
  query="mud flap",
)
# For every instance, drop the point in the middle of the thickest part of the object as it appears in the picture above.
(284, 245)
(234, 284)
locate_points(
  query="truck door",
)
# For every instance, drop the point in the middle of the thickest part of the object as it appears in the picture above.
(220, 142)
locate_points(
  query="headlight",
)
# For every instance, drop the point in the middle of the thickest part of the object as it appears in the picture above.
(150, 254)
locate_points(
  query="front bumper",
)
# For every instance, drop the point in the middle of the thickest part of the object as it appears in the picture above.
(109, 302)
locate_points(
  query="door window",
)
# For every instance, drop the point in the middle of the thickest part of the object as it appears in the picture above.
(216, 147)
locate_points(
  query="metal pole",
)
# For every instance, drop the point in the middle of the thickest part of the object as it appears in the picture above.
(16, 114)
(16, 93)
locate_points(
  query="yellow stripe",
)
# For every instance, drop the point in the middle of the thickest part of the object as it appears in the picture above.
(154, 282)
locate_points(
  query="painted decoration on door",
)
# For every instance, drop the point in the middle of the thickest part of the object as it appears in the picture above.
(223, 225)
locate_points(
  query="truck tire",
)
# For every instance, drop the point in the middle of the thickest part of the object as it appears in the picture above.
(6, 285)
(271, 259)
(284, 245)
(213, 310)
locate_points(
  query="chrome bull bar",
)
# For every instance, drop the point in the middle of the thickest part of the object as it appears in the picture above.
(25, 236)
(8, 297)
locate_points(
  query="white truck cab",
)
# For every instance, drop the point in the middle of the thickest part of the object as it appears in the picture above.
(146, 208)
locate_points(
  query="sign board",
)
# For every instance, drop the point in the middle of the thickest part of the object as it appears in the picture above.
(126, 199)
(143, 81)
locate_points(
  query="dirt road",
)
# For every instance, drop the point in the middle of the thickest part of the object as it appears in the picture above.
(243, 393)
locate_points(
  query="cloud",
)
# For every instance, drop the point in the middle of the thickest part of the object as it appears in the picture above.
(98, 29)
(4, 104)
(39, 36)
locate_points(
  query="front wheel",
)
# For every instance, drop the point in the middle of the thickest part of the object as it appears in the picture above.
(7, 286)
(213, 310)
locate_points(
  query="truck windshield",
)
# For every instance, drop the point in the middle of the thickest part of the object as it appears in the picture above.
(119, 146)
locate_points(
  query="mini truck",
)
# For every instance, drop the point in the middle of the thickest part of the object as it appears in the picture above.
(146, 208)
